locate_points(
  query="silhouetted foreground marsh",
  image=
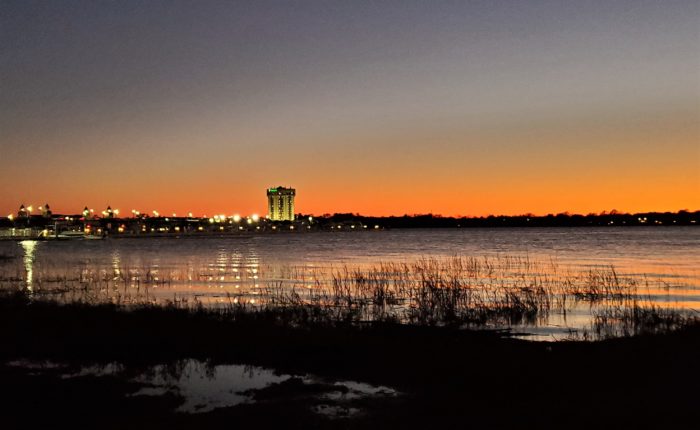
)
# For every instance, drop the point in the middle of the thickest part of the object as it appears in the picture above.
(447, 375)
(468, 292)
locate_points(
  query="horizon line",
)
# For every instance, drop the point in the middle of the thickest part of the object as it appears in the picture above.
(155, 214)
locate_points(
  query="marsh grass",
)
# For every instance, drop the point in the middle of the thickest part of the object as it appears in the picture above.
(502, 291)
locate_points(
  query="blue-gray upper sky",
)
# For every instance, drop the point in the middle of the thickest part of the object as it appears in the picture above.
(508, 106)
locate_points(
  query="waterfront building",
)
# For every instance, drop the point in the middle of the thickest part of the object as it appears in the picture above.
(280, 204)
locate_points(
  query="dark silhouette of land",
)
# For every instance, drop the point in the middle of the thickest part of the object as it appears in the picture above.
(612, 218)
(50, 226)
(446, 376)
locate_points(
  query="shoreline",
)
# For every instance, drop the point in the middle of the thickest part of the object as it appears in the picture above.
(448, 376)
(249, 234)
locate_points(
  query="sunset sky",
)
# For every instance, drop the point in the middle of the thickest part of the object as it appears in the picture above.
(387, 107)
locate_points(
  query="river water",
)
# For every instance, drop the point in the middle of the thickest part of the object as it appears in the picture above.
(214, 268)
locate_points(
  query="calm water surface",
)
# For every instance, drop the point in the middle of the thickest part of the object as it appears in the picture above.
(203, 387)
(208, 268)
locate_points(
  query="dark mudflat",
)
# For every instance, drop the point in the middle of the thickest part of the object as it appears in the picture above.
(447, 376)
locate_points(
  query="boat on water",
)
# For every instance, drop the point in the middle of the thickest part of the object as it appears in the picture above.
(70, 234)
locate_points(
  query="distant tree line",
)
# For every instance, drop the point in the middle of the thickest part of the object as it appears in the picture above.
(357, 221)
(612, 218)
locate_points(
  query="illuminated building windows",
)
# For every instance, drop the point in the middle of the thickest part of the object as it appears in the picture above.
(280, 203)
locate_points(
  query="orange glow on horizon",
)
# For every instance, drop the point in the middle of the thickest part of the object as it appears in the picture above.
(637, 162)
(322, 200)
(454, 108)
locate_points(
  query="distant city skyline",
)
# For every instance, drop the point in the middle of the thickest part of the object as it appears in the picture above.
(108, 212)
(380, 108)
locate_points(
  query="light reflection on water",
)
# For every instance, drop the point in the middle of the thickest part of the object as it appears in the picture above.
(116, 263)
(204, 387)
(29, 249)
(211, 268)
